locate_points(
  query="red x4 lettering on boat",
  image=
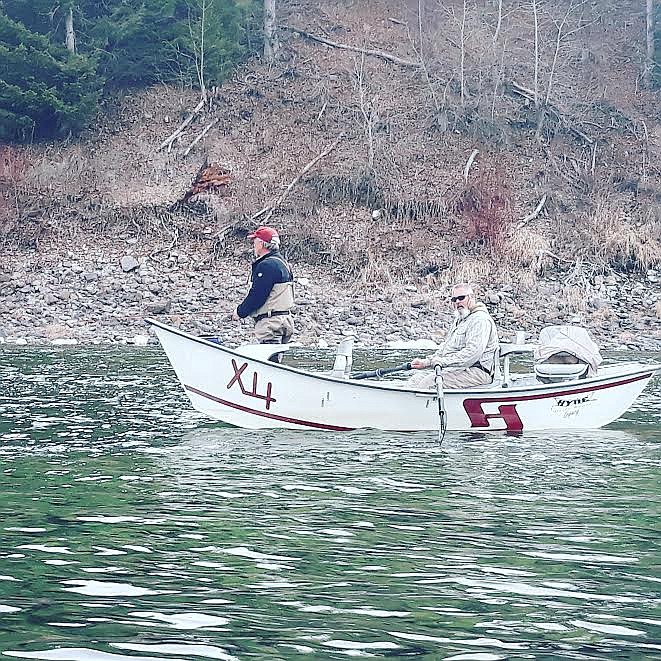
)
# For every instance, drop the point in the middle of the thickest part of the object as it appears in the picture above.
(238, 372)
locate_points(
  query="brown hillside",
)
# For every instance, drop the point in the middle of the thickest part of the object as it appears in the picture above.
(394, 200)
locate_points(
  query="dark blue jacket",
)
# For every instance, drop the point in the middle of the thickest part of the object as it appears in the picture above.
(267, 271)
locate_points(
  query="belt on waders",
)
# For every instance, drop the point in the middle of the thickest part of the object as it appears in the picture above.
(271, 313)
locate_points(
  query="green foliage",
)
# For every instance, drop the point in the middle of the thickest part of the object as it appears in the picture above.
(42, 16)
(146, 41)
(44, 90)
(134, 41)
(47, 92)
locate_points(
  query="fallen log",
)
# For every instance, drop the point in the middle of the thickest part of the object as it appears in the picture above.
(469, 163)
(388, 57)
(180, 129)
(297, 178)
(200, 136)
(534, 214)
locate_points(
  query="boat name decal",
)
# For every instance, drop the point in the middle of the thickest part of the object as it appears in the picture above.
(238, 372)
(569, 408)
(479, 418)
(574, 402)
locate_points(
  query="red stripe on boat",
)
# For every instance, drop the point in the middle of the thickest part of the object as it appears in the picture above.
(550, 395)
(479, 396)
(271, 416)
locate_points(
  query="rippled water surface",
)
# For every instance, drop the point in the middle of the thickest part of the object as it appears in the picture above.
(131, 528)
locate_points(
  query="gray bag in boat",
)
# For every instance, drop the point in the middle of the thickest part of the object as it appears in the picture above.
(565, 352)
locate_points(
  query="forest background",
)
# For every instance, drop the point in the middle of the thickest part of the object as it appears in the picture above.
(399, 145)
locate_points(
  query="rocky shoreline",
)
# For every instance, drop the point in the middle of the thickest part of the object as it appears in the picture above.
(102, 295)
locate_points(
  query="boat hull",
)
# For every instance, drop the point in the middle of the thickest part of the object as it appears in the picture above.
(239, 390)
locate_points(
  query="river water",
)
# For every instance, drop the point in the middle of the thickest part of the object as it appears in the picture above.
(133, 529)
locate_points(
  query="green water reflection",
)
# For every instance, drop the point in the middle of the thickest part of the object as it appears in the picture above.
(133, 529)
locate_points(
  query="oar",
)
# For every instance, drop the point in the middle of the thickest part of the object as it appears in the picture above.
(442, 414)
(382, 371)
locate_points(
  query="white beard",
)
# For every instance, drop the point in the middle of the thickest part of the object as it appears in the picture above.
(460, 314)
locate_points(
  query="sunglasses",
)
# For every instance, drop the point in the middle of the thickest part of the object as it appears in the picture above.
(454, 299)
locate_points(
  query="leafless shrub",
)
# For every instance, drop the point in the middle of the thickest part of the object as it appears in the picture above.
(367, 103)
(491, 132)
(22, 222)
(484, 208)
(631, 249)
(358, 187)
(378, 271)
(525, 279)
(307, 244)
(574, 297)
(14, 165)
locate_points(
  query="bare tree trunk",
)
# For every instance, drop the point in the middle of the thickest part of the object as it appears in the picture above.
(561, 36)
(542, 112)
(423, 62)
(203, 27)
(463, 55)
(271, 45)
(535, 87)
(558, 43)
(420, 10)
(649, 60)
(496, 34)
(198, 40)
(366, 109)
(70, 38)
(499, 78)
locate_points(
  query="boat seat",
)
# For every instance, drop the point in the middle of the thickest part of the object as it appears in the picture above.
(343, 359)
(270, 352)
(554, 372)
(505, 351)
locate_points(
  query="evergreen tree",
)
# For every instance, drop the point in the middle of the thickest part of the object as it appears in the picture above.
(146, 41)
(44, 90)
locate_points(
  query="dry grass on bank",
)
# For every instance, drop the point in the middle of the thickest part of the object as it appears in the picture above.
(624, 238)
(375, 253)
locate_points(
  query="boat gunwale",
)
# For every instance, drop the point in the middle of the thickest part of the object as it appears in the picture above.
(640, 369)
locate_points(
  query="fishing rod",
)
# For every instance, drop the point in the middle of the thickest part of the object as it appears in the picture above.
(201, 313)
(194, 314)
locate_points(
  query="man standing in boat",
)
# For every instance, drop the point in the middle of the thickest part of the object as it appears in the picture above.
(271, 296)
(468, 355)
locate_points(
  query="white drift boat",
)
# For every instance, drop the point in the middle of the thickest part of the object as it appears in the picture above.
(242, 387)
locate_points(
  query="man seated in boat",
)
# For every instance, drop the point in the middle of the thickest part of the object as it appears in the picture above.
(271, 296)
(468, 355)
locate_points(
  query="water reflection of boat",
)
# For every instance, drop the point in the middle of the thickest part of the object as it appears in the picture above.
(242, 387)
